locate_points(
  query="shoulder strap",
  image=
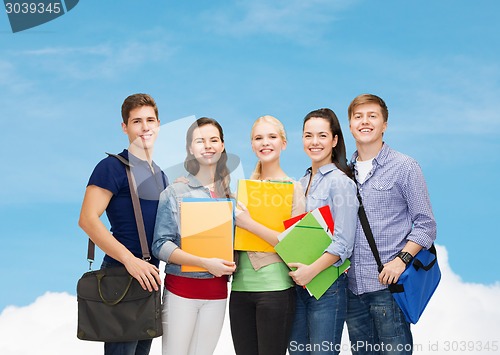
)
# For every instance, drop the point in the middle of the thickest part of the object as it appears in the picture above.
(366, 228)
(137, 212)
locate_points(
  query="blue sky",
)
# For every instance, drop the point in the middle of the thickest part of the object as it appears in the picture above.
(62, 84)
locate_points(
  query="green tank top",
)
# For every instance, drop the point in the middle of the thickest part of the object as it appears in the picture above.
(273, 277)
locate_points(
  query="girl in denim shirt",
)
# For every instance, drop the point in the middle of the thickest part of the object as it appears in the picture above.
(318, 324)
(194, 303)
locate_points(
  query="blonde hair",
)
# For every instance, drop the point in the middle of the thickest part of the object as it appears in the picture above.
(281, 131)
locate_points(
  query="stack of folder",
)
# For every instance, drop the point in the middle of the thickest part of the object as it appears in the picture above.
(207, 229)
(269, 203)
(305, 240)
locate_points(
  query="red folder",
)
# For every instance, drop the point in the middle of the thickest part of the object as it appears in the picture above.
(325, 213)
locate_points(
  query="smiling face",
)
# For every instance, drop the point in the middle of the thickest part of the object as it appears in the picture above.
(206, 145)
(142, 128)
(318, 141)
(367, 124)
(267, 141)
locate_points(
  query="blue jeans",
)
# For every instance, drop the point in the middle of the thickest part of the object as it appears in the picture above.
(318, 324)
(377, 325)
(140, 347)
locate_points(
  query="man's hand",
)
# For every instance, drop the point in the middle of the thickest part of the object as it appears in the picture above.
(147, 274)
(391, 271)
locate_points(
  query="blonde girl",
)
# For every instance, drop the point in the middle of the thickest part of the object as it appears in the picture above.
(262, 301)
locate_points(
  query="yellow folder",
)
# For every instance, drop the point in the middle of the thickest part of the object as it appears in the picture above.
(207, 229)
(269, 203)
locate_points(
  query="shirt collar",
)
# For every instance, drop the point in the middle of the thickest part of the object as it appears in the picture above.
(323, 170)
(135, 161)
(193, 181)
(380, 158)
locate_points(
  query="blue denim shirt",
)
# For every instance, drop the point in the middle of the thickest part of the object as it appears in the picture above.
(167, 236)
(330, 186)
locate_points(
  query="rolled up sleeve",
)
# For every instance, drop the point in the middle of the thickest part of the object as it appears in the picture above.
(166, 234)
(419, 208)
(345, 215)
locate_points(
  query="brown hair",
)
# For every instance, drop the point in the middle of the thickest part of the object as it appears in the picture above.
(368, 99)
(137, 100)
(222, 177)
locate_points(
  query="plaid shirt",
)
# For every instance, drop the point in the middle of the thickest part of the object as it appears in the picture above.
(398, 208)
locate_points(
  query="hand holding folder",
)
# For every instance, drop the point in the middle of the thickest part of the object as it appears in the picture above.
(304, 242)
(207, 229)
(269, 203)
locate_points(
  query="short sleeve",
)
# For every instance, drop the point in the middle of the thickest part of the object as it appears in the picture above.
(109, 174)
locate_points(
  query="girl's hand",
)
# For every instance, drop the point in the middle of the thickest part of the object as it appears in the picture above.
(182, 179)
(243, 218)
(219, 267)
(303, 274)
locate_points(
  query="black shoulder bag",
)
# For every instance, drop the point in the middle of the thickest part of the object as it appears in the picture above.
(112, 305)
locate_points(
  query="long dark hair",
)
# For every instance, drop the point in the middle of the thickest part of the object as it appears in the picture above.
(222, 178)
(338, 152)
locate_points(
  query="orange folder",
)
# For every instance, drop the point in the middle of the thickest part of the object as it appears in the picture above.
(269, 203)
(207, 229)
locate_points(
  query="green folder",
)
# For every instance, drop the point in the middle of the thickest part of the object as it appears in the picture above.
(305, 242)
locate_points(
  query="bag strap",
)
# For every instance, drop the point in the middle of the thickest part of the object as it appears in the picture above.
(368, 231)
(137, 213)
(417, 264)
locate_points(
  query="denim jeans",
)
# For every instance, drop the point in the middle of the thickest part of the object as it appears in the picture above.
(261, 321)
(140, 347)
(377, 325)
(318, 324)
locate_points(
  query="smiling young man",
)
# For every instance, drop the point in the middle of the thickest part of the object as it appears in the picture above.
(397, 204)
(108, 190)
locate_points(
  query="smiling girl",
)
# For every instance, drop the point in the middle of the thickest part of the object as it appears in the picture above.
(194, 303)
(262, 301)
(327, 182)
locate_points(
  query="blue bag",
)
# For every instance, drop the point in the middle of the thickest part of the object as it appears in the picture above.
(417, 284)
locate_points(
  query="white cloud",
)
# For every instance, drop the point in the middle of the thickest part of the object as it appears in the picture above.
(459, 312)
(12, 83)
(296, 20)
(105, 60)
(459, 316)
(453, 95)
